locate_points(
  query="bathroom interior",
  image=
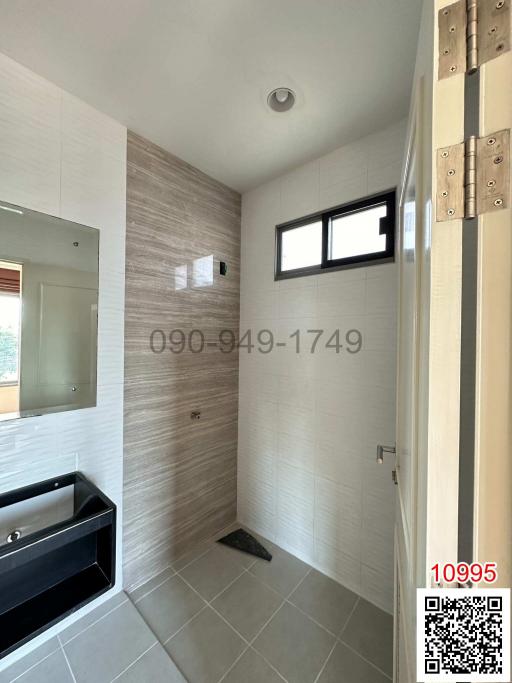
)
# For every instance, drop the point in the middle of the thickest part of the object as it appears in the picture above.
(198, 334)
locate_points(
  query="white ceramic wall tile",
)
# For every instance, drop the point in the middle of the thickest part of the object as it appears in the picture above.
(381, 294)
(376, 587)
(386, 146)
(339, 565)
(308, 422)
(376, 550)
(297, 451)
(30, 139)
(336, 300)
(60, 156)
(340, 459)
(341, 533)
(297, 303)
(344, 191)
(384, 178)
(295, 540)
(300, 192)
(344, 163)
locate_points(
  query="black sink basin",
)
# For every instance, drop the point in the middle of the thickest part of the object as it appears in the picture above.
(57, 552)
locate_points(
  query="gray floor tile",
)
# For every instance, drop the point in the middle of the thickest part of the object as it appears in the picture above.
(324, 600)
(153, 667)
(282, 573)
(205, 648)
(92, 617)
(370, 632)
(169, 606)
(345, 666)
(102, 652)
(212, 572)
(53, 669)
(150, 585)
(247, 604)
(252, 668)
(295, 645)
(192, 554)
(29, 660)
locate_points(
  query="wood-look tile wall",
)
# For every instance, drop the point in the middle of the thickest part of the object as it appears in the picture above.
(179, 473)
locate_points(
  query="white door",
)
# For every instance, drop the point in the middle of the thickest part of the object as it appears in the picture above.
(429, 344)
(430, 253)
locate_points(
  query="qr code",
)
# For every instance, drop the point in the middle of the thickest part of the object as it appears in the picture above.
(463, 635)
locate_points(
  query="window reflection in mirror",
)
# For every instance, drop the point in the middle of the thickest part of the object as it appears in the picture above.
(48, 313)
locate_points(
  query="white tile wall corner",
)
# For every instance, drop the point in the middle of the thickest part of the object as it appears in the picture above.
(61, 157)
(310, 423)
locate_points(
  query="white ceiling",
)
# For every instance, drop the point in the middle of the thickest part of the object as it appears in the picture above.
(193, 75)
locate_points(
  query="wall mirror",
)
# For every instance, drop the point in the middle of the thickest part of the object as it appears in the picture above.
(48, 313)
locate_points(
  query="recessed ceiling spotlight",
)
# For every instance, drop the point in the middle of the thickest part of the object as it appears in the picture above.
(281, 99)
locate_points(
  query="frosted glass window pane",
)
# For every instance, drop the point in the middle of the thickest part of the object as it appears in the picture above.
(302, 247)
(357, 233)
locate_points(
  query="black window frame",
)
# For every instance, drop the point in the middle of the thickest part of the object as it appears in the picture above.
(387, 227)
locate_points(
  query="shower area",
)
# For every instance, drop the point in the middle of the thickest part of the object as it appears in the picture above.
(222, 432)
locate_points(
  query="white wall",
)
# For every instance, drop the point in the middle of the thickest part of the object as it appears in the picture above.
(61, 157)
(310, 423)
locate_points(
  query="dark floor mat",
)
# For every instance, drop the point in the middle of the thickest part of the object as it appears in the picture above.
(241, 540)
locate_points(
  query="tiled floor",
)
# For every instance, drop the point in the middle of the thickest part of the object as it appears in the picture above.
(111, 643)
(220, 615)
(224, 616)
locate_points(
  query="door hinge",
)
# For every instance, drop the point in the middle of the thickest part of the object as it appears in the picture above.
(472, 32)
(473, 177)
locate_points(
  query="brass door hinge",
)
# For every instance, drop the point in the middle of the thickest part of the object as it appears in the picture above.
(472, 32)
(473, 177)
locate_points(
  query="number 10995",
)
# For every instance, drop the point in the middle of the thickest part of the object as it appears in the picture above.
(464, 573)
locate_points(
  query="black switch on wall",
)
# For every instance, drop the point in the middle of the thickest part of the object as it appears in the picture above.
(223, 268)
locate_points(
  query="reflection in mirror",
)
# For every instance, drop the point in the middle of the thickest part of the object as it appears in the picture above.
(48, 313)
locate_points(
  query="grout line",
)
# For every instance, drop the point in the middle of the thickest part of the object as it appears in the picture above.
(66, 658)
(35, 664)
(94, 622)
(348, 618)
(322, 668)
(185, 624)
(208, 541)
(192, 561)
(250, 643)
(269, 663)
(140, 585)
(299, 584)
(267, 622)
(324, 628)
(374, 666)
(244, 571)
(135, 661)
(218, 613)
(154, 587)
(177, 571)
(283, 602)
(234, 663)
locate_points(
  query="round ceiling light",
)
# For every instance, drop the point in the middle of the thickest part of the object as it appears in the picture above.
(281, 99)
